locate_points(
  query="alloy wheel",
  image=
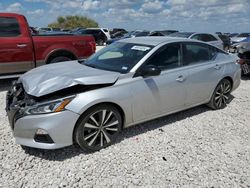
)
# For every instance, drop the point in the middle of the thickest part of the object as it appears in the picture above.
(222, 94)
(99, 128)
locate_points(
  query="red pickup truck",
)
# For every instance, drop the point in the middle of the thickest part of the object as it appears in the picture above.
(20, 51)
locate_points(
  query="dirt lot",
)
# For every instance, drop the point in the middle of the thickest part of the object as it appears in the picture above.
(195, 148)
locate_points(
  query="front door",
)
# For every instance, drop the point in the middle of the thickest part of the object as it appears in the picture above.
(16, 51)
(158, 95)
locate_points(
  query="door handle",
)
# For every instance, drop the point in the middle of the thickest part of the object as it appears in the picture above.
(217, 67)
(180, 78)
(21, 45)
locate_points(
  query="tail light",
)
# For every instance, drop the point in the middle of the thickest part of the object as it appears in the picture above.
(241, 61)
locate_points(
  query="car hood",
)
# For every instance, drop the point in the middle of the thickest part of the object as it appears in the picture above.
(54, 77)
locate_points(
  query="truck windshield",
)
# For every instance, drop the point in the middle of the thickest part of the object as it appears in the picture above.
(119, 57)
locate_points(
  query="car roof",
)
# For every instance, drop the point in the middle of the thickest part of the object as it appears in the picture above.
(154, 41)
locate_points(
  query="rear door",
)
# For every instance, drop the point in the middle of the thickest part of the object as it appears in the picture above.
(204, 72)
(16, 51)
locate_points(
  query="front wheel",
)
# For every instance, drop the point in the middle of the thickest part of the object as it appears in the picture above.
(221, 95)
(98, 128)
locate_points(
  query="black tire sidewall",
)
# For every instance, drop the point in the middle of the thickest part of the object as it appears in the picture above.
(79, 137)
(59, 59)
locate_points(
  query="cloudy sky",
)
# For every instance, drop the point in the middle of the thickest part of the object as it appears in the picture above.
(185, 15)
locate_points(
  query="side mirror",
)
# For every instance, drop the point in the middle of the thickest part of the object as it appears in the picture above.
(150, 70)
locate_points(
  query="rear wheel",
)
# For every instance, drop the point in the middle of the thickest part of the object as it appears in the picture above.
(98, 128)
(60, 59)
(100, 42)
(221, 95)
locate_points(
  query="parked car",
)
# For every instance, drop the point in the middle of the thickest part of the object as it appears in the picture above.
(233, 35)
(243, 51)
(104, 30)
(162, 33)
(115, 30)
(131, 81)
(44, 29)
(118, 34)
(101, 35)
(226, 41)
(235, 48)
(20, 51)
(132, 34)
(205, 37)
(66, 30)
(33, 31)
(239, 38)
(56, 29)
(244, 61)
(77, 29)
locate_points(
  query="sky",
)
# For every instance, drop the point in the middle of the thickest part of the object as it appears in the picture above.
(182, 15)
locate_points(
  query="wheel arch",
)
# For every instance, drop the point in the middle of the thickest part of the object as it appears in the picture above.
(60, 52)
(118, 107)
(229, 79)
(225, 77)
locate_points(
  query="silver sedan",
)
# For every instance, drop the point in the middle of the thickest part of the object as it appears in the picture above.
(129, 82)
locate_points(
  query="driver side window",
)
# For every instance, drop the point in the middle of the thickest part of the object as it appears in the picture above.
(167, 57)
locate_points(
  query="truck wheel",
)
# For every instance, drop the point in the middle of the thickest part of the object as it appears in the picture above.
(100, 42)
(60, 59)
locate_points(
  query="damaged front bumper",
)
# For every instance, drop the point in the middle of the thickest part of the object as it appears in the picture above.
(45, 131)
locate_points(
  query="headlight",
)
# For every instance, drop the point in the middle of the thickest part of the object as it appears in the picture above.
(49, 107)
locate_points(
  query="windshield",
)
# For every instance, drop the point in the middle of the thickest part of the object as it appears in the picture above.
(119, 57)
(183, 35)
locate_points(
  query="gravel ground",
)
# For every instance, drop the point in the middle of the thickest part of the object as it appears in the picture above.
(195, 148)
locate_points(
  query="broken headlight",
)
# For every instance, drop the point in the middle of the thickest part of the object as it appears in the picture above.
(49, 107)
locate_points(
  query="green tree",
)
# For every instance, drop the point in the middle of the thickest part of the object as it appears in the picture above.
(71, 22)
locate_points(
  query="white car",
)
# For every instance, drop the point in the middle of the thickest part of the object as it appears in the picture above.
(126, 83)
(205, 37)
(105, 31)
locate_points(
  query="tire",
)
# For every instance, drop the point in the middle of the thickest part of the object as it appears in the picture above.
(59, 59)
(221, 95)
(98, 128)
(100, 42)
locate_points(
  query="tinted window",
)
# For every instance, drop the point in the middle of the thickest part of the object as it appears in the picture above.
(141, 34)
(197, 53)
(196, 37)
(167, 57)
(182, 35)
(105, 30)
(207, 38)
(9, 27)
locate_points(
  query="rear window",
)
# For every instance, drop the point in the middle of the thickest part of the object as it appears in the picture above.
(208, 38)
(9, 27)
(182, 35)
(194, 53)
(105, 30)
